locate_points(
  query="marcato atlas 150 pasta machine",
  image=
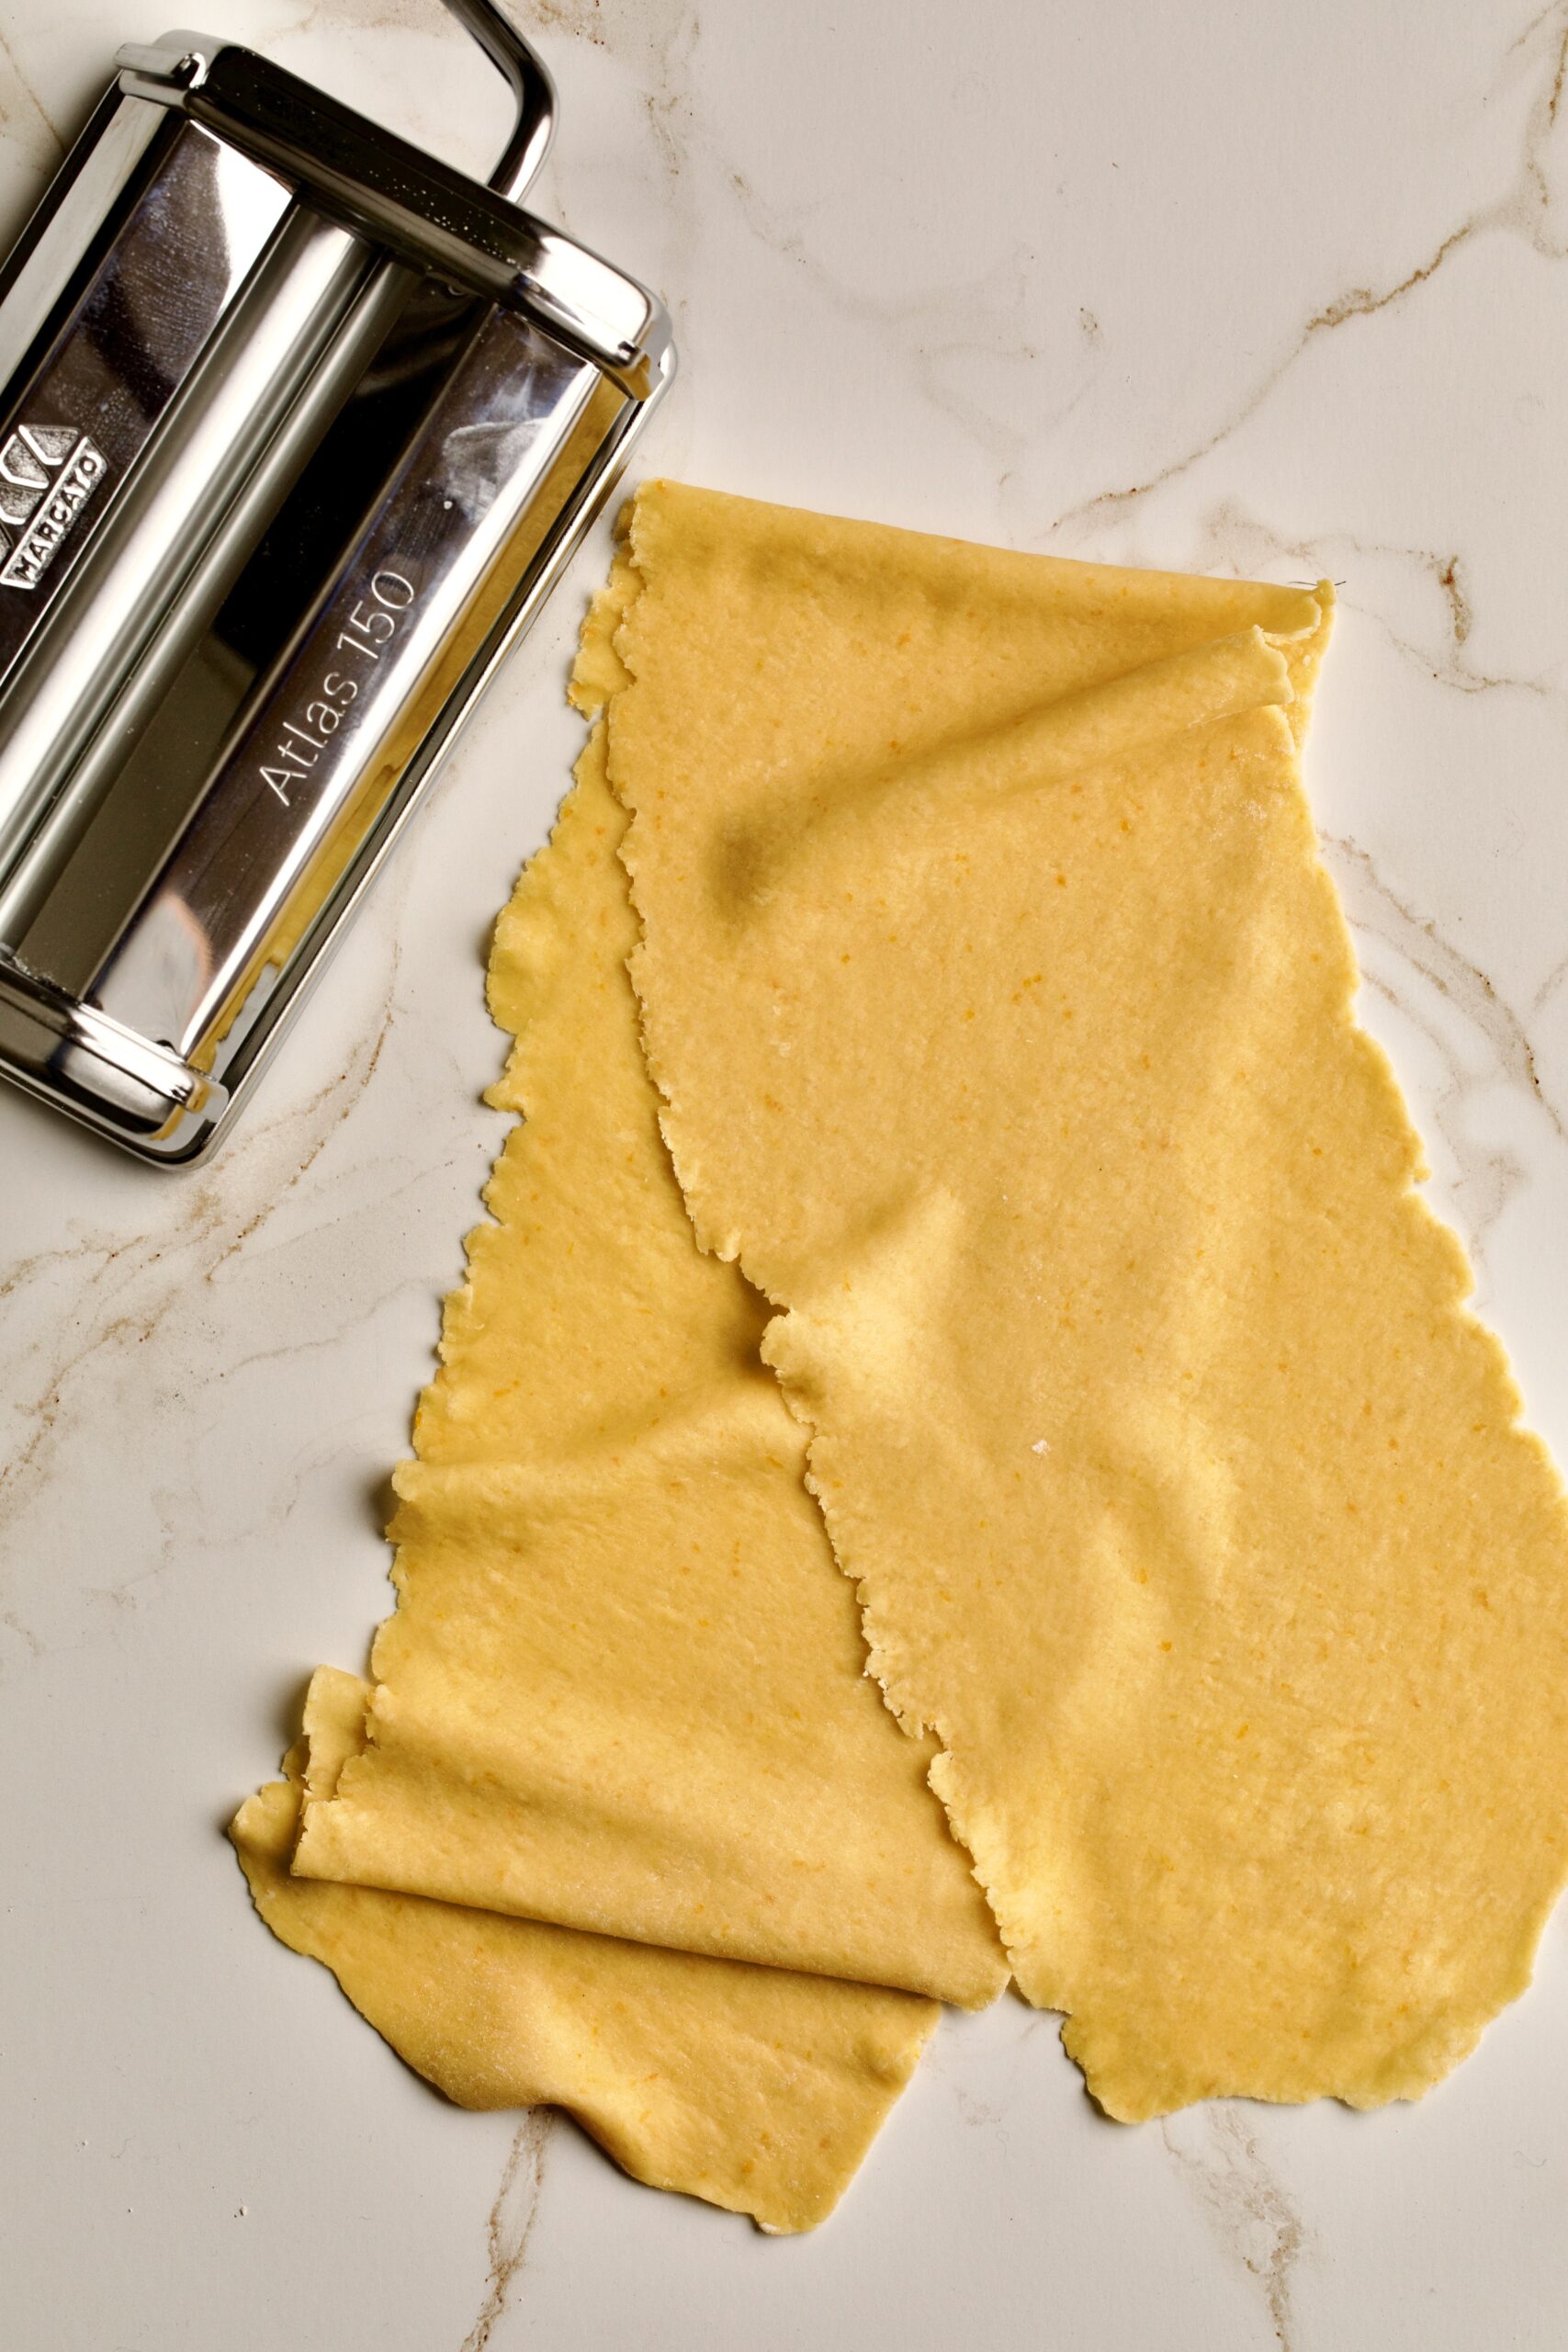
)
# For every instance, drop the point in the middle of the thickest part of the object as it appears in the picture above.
(299, 427)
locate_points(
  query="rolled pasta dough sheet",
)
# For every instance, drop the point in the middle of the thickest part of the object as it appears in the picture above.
(1002, 1012)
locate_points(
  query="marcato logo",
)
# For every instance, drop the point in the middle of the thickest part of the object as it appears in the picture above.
(48, 473)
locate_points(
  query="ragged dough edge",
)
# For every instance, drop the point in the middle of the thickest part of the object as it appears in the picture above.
(603, 669)
(607, 665)
(529, 943)
(700, 2158)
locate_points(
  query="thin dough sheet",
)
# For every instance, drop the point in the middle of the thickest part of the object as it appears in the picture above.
(1002, 1012)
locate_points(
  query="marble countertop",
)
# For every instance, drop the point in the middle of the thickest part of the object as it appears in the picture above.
(1228, 287)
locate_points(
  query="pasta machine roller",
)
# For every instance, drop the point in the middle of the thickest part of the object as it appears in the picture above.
(299, 426)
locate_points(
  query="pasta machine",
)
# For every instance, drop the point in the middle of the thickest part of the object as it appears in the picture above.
(299, 427)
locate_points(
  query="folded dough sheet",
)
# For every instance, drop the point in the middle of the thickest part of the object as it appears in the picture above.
(756, 2089)
(1000, 1009)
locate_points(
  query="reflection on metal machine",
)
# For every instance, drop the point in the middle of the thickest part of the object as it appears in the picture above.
(297, 429)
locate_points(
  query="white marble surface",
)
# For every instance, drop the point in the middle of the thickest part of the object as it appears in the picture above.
(1224, 285)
